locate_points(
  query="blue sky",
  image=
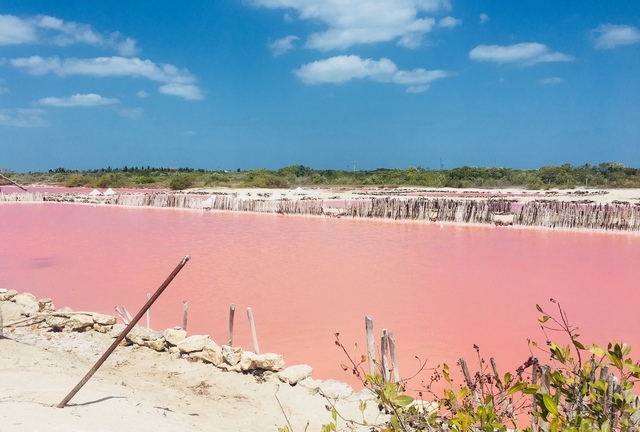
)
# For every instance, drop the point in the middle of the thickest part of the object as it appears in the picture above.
(248, 84)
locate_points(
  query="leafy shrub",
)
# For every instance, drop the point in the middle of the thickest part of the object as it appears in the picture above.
(180, 181)
(584, 389)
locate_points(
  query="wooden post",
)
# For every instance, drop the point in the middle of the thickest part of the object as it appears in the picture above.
(1, 325)
(124, 333)
(185, 312)
(544, 389)
(394, 359)
(121, 315)
(232, 311)
(148, 313)
(384, 344)
(371, 349)
(126, 312)
(467, 377)
(252, 325)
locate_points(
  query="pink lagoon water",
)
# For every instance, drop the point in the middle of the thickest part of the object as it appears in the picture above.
(439, 289)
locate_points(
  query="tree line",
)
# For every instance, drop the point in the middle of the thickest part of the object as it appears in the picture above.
(603, 175)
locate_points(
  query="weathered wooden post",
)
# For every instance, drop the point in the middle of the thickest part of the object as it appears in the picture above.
(1, 325)
(252, 325)
(121, 315)
(185, 312)
(126, 312)
(371, 348)
(384, 348)
(394, 359)
(232, 311)
(467, 377)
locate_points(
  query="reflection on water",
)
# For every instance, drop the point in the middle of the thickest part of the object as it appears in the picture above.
(439, 289)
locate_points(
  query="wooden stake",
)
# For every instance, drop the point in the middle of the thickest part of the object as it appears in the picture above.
(467, 378)
(126, 312)
(384, 344)
(124, 333)
(232, 311)
(185, 312)
(121, 315)
(253, 331)
(394, 359)
(371, 349)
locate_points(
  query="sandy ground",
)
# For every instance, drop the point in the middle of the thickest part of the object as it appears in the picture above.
(142, 390)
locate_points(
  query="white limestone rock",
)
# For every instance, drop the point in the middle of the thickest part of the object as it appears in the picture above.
(28, 302)
(104, 320)
(11, 312)
(335, 389)
(193, 343)
(232, 355)
(7, 294)
(79, 322)
(175, 335)
(46, 305)
(212, 353)
(271, 362)
(294, 374)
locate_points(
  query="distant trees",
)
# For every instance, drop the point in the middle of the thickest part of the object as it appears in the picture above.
(606, 174)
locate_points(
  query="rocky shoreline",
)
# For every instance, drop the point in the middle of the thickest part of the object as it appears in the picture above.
(152, 369)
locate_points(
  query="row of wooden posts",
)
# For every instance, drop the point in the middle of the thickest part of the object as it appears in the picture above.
(125, 316)
(544, 213)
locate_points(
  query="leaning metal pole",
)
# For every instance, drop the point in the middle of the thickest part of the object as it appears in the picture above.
(12, 182)
(124, 333)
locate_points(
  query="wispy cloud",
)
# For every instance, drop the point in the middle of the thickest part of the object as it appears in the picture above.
(142, 94)
(341, 69)
(84, 100)
(48, 30)
(190, 133)
(551, 81)
(4, 90)
(449, 22)
(179, 82)
(23, 118)
(610, 36)
(525, 54)
(186, 91)
(483, 18)
(359, 22)
(283, 45)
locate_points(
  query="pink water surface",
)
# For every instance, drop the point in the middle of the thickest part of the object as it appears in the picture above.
(439, 289)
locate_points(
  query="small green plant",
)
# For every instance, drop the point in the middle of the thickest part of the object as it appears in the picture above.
(583, 389)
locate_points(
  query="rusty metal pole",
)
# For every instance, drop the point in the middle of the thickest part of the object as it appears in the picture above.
(124, 333)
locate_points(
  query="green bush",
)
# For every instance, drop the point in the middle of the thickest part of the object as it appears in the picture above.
(180, 181)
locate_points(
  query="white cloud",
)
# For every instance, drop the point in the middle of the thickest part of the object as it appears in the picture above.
(142, 94)
(103, 67)
(190, 133)
(358, 22)
(526, 54)
(551, 81)
(15, 31)
(23, 117)
(610, 36)
(90, 99)
(4, 90)
(179, 82)
(283, 45)
(449, 22)
(483, 18)
(43, 29)
(341, 69)
(186, 91)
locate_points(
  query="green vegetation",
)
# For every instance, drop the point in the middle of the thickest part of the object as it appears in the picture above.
(604, 175)
(580, 389)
